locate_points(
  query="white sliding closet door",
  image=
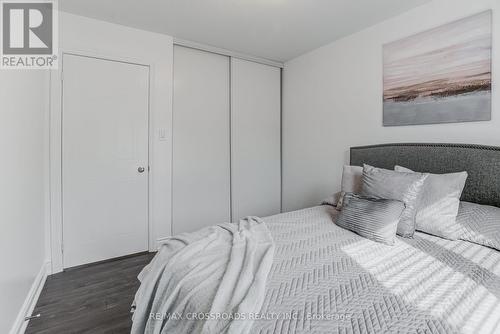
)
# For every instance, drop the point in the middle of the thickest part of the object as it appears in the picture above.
(201, 162)
(255, 139)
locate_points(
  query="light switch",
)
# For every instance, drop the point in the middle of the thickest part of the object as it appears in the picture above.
(162, 134)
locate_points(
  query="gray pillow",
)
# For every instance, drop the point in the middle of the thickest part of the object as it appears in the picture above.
(372, 218)
(480, 224)
(438, 207)
(405, 187)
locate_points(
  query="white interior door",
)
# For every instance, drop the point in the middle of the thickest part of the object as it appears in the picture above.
(255, 139)
(104, 148)
(201, 162)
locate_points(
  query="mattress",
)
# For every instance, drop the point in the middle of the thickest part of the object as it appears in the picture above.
(325, 279)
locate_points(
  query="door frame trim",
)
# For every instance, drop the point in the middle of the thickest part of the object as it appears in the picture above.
(55, 152)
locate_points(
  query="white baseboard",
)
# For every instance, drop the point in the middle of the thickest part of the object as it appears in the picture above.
(31, 299)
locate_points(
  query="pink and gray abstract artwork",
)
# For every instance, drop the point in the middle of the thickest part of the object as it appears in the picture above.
(440, 76)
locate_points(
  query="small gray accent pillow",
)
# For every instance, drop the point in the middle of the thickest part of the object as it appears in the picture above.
(373, 218)
(405, 187)
(480, 224)
(438, 207)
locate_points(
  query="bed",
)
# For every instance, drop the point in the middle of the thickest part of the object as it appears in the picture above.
(421, 285)
(325, 279)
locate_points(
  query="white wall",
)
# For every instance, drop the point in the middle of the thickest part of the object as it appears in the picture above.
(333, 100)
(26, 204)
(23, 107)
(98, 38)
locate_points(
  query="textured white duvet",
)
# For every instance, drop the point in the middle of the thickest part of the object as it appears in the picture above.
(337, 282)
(325, 279)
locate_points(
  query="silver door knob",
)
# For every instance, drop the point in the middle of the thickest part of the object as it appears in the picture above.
(141, 169)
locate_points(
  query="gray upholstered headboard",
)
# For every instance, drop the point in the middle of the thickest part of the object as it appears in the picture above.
(481, 162)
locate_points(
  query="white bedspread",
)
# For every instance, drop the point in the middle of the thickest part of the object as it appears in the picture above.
(324, 279)
(333, 281)
(219, 270)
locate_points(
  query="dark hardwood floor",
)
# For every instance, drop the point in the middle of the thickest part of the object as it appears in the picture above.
(95, 298)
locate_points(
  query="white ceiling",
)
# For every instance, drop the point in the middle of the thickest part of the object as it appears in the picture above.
(274, 29)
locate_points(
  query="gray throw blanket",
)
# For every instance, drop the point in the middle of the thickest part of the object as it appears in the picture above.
(209, 281)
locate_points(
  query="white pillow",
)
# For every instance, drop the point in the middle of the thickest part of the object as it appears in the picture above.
(480, 224)
(439, 202)
(352, 180)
